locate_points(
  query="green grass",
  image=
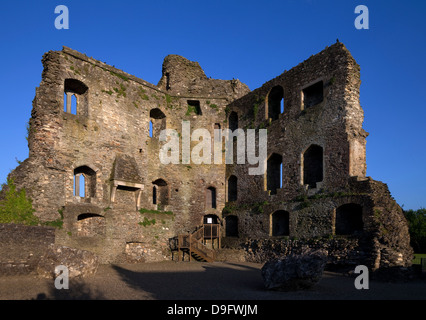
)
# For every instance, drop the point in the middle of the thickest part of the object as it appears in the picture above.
(121, 76)
(147, 222)
(121, 91)
(417, 257)
(191, 109)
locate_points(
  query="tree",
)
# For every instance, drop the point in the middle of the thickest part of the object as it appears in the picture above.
(15, 206)
(417, 228)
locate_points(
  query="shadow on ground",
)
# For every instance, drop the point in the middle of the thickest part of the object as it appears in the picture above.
(78, 290)
(232, 281)
(200, 281)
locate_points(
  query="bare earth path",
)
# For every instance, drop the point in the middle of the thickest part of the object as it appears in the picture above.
(197, 281)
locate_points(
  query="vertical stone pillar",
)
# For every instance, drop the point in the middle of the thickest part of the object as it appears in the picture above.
(69, 96)
(77, 185)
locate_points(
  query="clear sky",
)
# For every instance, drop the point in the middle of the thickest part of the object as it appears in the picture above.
(253, 41)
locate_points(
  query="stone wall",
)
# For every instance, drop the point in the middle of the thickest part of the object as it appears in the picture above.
(317, 140)
(342, 252)
(23, 247)
(112, 120)
(383, 233)
(334, 124)
(107, 142)
(117, 235)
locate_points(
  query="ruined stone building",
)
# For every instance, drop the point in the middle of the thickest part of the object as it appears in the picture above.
(94, 160)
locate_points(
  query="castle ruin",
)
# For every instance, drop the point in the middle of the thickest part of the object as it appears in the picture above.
(94, 160)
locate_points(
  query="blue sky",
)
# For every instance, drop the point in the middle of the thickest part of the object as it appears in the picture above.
(253, 41)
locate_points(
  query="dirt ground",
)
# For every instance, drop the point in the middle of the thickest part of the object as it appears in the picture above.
(197, 281)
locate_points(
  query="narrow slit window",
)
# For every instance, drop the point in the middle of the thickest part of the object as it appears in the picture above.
(154, 195)
(150, 129)
(79, 185)
(313, 166)
(65, 102)
(211, 198)
(275, 102)
(274, 173)
(82, 186)
(232, 188)
(233, 121)
(73, 104)
(167, 81)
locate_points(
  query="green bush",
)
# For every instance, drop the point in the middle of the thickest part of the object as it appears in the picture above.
(16, 207)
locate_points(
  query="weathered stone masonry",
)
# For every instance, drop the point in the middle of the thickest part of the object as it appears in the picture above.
(94, 159)
(23, 247)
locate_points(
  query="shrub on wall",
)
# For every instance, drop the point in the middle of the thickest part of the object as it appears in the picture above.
(15, 206)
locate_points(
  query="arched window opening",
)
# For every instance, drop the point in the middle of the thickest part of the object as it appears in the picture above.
(168, 81)
(84, 216)
(157, 122)
(349, 219)
(90, 224)
(75, 97)
(232, 188)
(84, 182)
(275, 102)
(274, 173)
(231, 226)
(313, 166)
(211, 198)
(280, 223)
(233, 121)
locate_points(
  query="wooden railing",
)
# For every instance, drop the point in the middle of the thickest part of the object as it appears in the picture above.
(194, 243)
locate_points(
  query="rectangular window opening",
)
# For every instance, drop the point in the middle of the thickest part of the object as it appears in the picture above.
(313, 95)
(194, 106)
